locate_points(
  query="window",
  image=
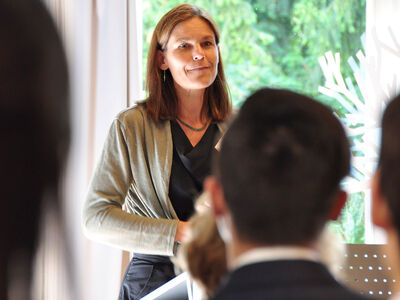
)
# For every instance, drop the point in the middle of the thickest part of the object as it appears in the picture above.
(278, 43)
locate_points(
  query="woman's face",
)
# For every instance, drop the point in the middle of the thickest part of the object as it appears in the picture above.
(191, 55)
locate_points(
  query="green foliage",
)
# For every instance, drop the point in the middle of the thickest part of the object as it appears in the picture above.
(277, 43)
(243, 46)
(350, 224)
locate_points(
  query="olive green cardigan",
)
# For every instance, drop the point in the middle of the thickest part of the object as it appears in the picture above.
(134, 169)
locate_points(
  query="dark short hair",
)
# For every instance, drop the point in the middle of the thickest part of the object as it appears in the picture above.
(389, 159)
(280, 165)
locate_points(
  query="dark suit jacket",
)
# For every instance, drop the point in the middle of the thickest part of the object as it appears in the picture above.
(284, 280)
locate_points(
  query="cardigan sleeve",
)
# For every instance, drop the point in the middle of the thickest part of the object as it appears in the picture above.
(103, 218)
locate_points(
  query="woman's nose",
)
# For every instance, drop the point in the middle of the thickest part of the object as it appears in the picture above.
(198, 53)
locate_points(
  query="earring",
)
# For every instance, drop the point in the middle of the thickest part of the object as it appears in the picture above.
(164, 76)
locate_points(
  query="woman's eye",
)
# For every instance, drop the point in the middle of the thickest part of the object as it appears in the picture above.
(208, 43)
(183, 46)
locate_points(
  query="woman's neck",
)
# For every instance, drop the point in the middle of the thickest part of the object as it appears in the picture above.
(190, 104)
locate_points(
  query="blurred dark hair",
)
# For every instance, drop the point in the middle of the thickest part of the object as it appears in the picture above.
(389, 159)
(34, 120)
(280, 165)
(203, 253)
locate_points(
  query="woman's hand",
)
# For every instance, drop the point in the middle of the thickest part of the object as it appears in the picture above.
(181, 231)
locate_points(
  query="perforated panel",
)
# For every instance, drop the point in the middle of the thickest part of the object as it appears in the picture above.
(368, 270)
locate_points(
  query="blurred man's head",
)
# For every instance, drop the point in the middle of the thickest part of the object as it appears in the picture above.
(279, 169)
(386, 183)
(34, 124)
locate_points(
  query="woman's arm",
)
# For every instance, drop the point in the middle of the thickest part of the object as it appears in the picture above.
(104, 220)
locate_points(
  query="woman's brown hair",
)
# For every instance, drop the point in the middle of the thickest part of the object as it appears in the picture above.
(162, 101)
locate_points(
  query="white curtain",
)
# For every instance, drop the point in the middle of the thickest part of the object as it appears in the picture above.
(382, 63)
(99, 36)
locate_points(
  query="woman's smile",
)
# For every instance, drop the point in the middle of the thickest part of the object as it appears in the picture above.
(199, 68)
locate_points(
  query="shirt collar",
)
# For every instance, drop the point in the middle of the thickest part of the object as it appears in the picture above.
(262, 254)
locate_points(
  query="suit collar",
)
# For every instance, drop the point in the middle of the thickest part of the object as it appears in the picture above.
(286, 272)
(263, 254)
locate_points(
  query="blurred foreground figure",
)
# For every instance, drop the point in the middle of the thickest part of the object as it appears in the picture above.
(277, 184)
(386, 187)
(202, 253)
(34, 135)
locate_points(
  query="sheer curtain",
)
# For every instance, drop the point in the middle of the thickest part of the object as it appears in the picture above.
(382, 71)
(103, 43)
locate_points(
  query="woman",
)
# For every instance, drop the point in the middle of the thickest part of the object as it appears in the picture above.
(158, 153)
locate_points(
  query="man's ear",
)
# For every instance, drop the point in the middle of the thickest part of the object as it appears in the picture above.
(161, 60)
(338, 205)
(214, 188)
(380, 211)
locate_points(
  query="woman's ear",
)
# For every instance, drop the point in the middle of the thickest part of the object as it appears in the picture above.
(380, 210)
(161, 60)
(338, 205)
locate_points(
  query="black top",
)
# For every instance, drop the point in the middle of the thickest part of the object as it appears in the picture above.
(190, 166)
